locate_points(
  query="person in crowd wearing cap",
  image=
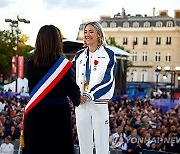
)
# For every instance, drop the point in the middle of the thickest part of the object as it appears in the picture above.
(95, 68)
(7, 147)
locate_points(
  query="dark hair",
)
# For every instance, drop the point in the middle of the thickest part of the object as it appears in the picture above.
(8, 137)
(49, 46)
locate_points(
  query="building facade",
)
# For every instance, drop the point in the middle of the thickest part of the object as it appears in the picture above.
(152, 41)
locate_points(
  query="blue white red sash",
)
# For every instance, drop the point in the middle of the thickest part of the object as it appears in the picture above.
(53, 76)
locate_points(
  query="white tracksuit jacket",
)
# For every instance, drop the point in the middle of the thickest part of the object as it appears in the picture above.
(102, 79)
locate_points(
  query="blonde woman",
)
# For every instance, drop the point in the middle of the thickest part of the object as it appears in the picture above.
(95, 69)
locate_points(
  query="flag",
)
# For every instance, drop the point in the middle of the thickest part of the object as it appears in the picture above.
(20, 67)
(133, 44)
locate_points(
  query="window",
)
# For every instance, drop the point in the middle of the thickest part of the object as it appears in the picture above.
(158, 57)
(125, 40)
(168, 40)
(158, 40)
(135, 40)
(144, 76)
(159, 24)
(169, 24)
(135, 24)
(113, 25)
(134, 56)
(168, 57)
(104, 24)
(145, 40)
(144, 56)
(134, 75)
(126, 24)
(146, 24)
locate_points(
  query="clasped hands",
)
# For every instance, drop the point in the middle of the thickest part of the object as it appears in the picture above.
(84, 99)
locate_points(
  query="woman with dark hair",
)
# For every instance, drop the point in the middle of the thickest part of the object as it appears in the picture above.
(50, 119)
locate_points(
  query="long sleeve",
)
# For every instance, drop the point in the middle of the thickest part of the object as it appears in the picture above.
(72, 88)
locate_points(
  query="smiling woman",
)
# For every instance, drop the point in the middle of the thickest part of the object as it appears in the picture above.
(95, 69)
(93, 36)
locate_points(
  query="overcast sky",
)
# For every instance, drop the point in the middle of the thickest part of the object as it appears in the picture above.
(67, 15)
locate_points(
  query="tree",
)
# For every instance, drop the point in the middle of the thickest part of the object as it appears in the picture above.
(8, 46)
(111, 41)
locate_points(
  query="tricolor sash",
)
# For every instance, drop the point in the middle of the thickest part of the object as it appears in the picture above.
(53, 76)
(46, 84)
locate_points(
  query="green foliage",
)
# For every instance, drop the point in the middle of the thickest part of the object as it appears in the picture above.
(8, 47)
(6, 52)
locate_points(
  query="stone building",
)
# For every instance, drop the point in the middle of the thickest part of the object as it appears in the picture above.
(152, 40)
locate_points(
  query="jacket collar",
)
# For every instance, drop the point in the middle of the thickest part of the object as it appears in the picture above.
(99, 49)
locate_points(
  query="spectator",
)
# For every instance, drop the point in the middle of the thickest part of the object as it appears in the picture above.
(153, 146)
(118, 133)
(173, 134)
(3, 132)
(13, 133)
(1, 106)
(127, 130)
(121, 144)
(133, 145)
(7, 147)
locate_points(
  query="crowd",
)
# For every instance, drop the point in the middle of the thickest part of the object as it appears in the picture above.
(134, 124)
(11, 113)
(137, 125)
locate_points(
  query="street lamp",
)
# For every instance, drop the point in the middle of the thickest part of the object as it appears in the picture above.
(132, 76)
(157, 70)
(165, 76)
(178, 77)
(179, 82)
(15, 23)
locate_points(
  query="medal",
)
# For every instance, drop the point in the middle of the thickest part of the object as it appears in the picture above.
(86, 86)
